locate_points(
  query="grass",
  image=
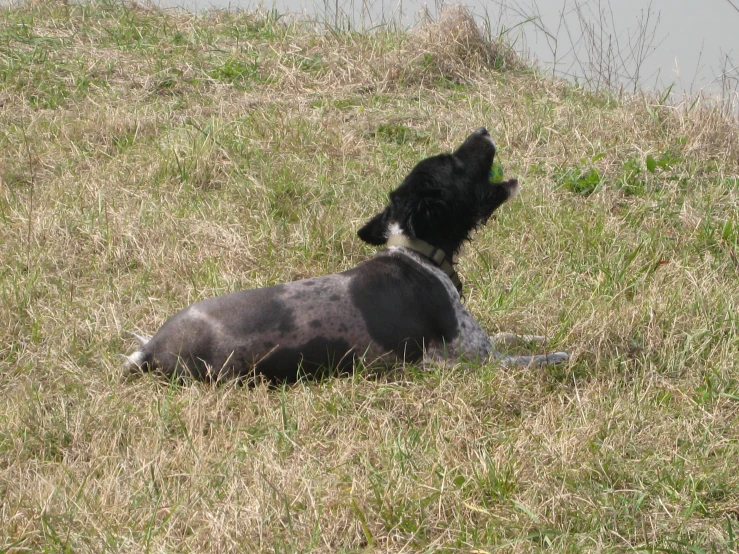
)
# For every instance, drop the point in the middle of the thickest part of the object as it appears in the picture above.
(151, 158)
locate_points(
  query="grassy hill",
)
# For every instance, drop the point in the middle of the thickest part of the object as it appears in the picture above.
(151, 158)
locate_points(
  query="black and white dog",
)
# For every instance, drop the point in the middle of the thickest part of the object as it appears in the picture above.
(401, 305)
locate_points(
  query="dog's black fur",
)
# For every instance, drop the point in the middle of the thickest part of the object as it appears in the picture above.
(396, 306)
(444, 197)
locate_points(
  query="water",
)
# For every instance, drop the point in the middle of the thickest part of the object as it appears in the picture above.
(675, 46)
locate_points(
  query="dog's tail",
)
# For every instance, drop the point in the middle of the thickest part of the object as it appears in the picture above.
(141, 338)
(139, 360)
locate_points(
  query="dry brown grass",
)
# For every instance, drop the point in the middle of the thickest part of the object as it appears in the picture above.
(452, 49)
(149, 159)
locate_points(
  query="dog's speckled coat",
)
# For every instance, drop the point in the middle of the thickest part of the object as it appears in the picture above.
(396, 306)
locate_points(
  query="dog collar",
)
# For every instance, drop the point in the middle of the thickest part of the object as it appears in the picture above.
(434, 254)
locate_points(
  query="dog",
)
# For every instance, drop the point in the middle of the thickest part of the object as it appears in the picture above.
(402, 305)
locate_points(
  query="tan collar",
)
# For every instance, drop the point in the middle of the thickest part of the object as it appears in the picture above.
(431, 252)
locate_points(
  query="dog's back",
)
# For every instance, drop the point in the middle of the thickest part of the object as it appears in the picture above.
(388, 308)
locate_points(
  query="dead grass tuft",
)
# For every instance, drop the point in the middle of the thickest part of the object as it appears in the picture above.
(452, 49)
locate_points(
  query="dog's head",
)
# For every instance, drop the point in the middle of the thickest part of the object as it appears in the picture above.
(444, 198)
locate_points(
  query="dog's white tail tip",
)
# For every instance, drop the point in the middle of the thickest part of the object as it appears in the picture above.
(135, 360)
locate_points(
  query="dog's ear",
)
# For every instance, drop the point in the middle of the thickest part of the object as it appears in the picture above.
(375, 230)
